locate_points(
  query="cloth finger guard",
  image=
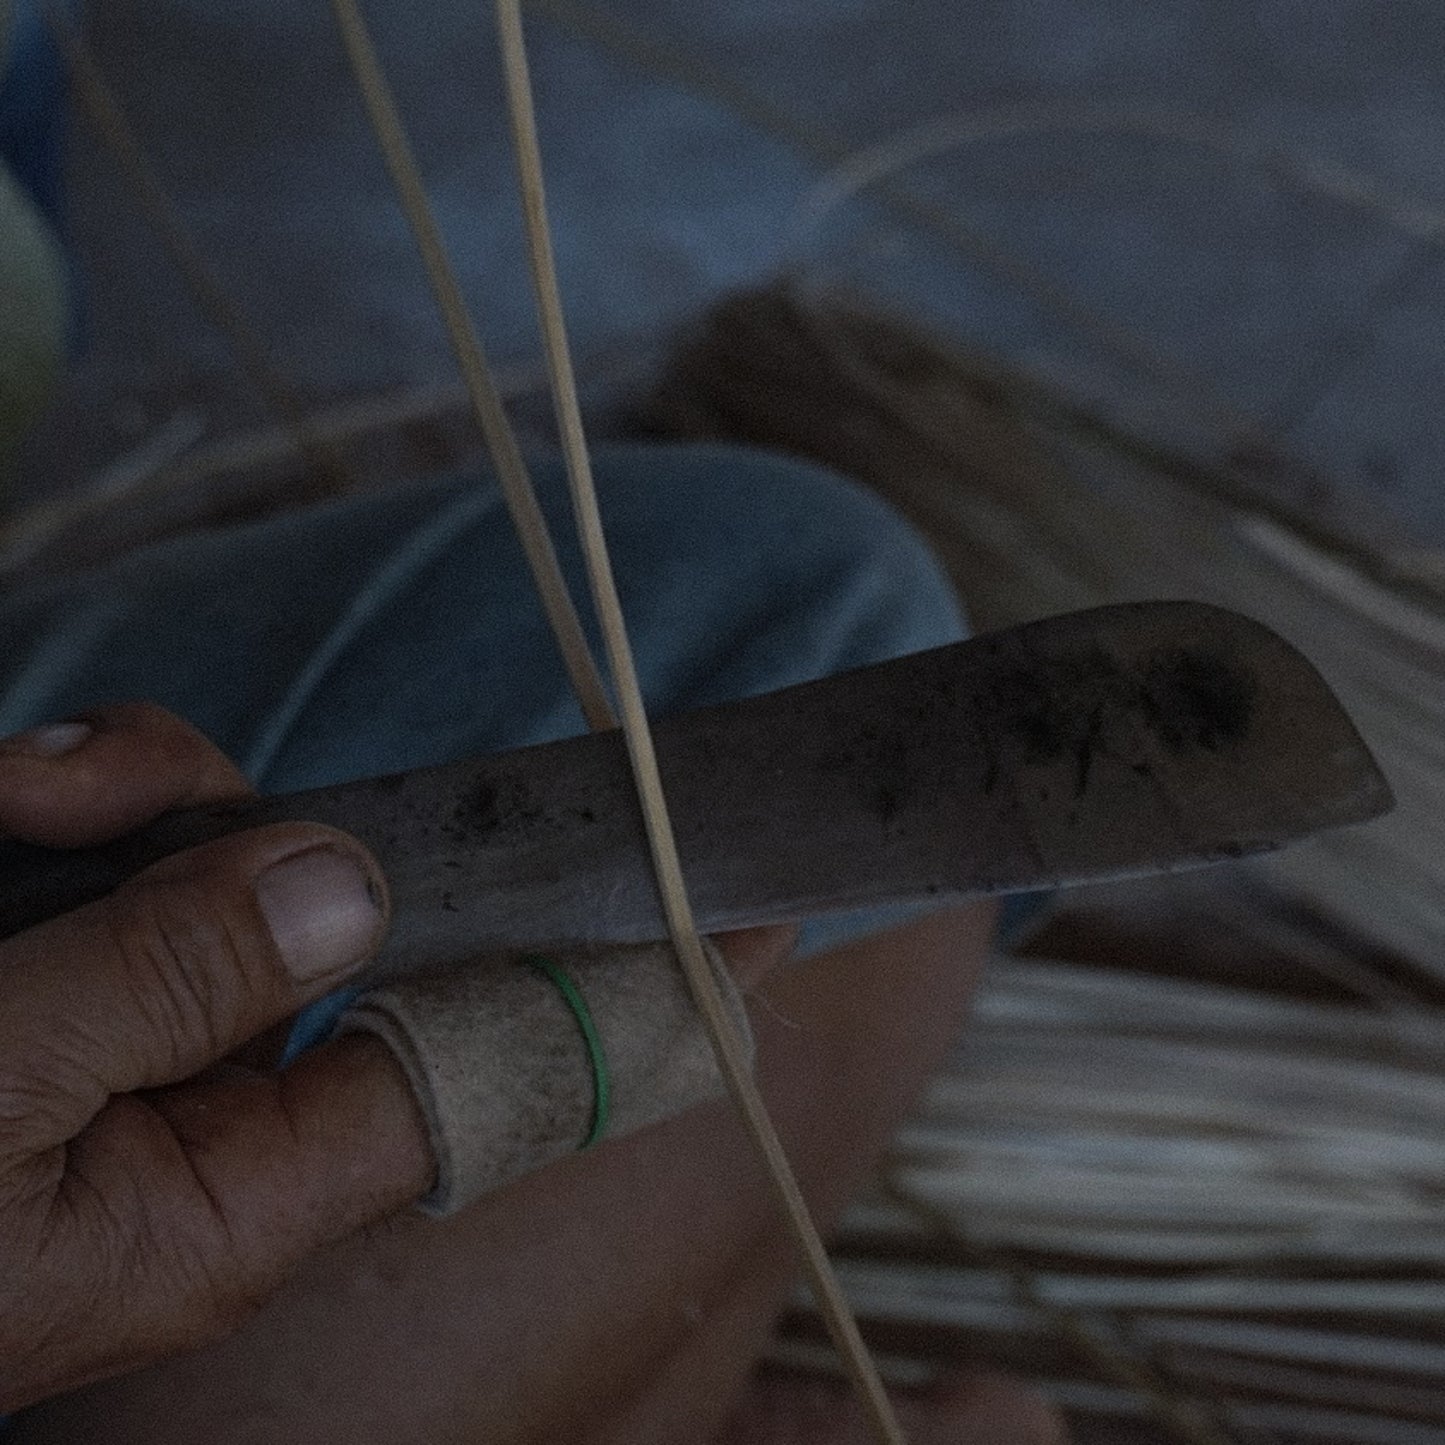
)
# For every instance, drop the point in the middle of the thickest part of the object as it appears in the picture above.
(522, 1060)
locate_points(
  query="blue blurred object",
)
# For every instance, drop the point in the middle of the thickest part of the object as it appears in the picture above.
(32, 109)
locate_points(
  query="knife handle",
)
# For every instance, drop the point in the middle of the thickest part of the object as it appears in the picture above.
(37, 884)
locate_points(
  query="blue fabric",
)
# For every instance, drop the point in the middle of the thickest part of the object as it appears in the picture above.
(392, 631)
(34, 121)
(389, 632)
(32, 108)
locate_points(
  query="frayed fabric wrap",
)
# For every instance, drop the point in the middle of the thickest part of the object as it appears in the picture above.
(498, 1063)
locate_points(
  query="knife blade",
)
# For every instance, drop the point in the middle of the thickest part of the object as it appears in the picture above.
(1105, 744)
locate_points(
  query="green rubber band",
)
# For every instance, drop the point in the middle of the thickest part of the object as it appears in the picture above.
(596, 1054)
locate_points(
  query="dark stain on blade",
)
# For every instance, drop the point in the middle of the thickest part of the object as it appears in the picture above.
(511, 812)
(493, 812)
(1057, 707)
(1043, 720)
(1195, 698)
(1085, 704)
(1187, 697)
(880, 762)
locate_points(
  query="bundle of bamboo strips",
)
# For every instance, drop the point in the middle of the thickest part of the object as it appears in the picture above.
(1171, 1198)
(1164, 1196)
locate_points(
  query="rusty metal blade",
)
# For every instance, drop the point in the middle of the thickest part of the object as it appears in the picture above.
(1100, 745)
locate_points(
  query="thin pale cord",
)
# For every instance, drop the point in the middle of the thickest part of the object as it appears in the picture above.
(1324, 366)
(482, 389)
(727, 1044)
(103, 110)
(865, 168)
(696, 74)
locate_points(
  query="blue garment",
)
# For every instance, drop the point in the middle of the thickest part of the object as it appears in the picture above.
(396, 630)
(32, 108)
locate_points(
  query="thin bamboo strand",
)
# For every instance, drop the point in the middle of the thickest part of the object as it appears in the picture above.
(1420, 222)
(164, 467)
(727, 1044)
(26, 537)
(482, 389)
(108, 119)
(1409, 1303)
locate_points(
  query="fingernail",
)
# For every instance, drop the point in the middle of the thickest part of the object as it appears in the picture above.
(50, 741)
(322, 910)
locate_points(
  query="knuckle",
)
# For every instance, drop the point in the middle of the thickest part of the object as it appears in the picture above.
(213, 1295)
(33, 1114)
(143, 716)
(125, 1283)
(143, 720)
(190, 965)
(214, 1275)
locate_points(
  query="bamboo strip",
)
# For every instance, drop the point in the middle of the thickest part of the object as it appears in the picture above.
(482, 388)
(732, 1054)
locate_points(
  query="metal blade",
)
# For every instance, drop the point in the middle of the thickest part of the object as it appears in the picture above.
(1100, 745)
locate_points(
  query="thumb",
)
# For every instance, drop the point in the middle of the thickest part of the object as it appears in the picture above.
(176, 968)
(144, 1219)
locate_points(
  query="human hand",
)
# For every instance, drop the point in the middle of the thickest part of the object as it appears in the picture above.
(150, 1195)
(651, 1267)
(621, 1296)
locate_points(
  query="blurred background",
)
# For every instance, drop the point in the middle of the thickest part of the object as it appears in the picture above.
(1116, 300)
(1244, 193)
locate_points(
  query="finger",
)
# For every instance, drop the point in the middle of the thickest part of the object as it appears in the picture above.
(181, 964)
(290, 1161)
(106, 772)
(442, 1319)
(186, 1208)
